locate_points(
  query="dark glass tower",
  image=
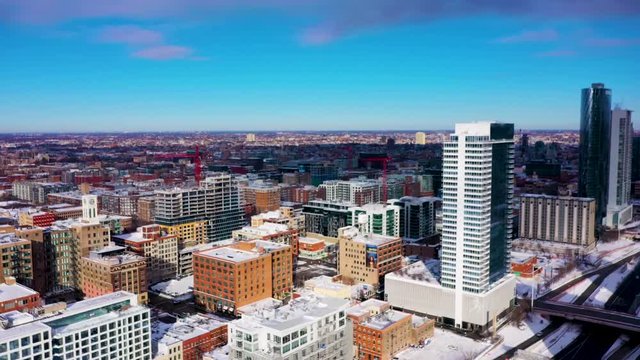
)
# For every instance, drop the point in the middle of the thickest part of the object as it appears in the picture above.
(595, 125)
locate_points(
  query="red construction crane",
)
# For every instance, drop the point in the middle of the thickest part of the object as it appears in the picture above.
(197, 161)
(384, 160)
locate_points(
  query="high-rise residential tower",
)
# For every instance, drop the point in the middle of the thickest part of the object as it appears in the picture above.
(471, 286)
(421, 138)
(595, 128)
(619, 210)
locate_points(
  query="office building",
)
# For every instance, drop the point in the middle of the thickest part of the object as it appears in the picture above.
(421, 138)
(568, 220)
(17, 297)
(376, 219)
(16, 259)
(379, 332)
(112, 326)
(325, 217)
(159, 250)
(471, 285)
(417, 216)
(366, 258)
(309, 327)
(146, 209)
(230, 277)
(185, 256)
(111, 269)
(357, 192)
(619, 208)
(310, 248)
(595, 132)
(188, 338)
(216, 202)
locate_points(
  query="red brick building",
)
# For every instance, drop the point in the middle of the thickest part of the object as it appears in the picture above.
(14, 296)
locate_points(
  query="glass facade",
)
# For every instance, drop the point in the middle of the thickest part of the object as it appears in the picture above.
(595, 125)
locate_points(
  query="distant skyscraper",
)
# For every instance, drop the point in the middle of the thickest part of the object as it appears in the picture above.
(619, 211)
(251, 137)
(595, 127)
(421, 138)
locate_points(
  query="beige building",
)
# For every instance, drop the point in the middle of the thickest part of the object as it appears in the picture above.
(563, 219)
(160, 251)
(285, 215)
(110, 269)
(16, 259)
(188, 234)
(367, 257)
(263, 196)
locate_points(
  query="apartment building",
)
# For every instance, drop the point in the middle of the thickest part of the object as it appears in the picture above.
(188, 338)
(36, 218)
(263, 196)
(379, 332)
(308, 327)
(357, 192)
(17, 297)
(36, 192)
(16, 259)
(417, 216)
(376, 219)
(325, 217)
(229, 277)
(365, 257)
(112, 326)
(278, 233)
(160, 251)
(286, 215)
(570, 220)
(111, 269)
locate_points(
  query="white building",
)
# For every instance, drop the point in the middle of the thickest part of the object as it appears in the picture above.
(111, 326)
(356, 191)
(619, 209)
(376, 219)
(476, 235)
(309, 327)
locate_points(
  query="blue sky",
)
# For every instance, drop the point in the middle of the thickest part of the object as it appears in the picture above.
(308, 65)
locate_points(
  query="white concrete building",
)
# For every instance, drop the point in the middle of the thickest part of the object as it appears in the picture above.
(476, 235)
(107, 327)
(309, 327)
(619, 209)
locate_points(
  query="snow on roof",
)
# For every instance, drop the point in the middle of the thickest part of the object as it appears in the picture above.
(15, 291)
(175, 287)
(308, 240)
(427, 271)
(10, 239)
(183, 329)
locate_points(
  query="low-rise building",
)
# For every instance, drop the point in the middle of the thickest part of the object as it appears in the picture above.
(278, 233)
(16, 259)
(16, 297)
(286, 215)
(37, 218)
(380, 332)
(188, 338)
(311, 248)
(309, 327)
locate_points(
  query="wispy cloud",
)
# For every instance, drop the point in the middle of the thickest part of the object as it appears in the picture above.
(130, 34)
(557, 53)
(530, 36)
(612, 42)
(165, 52)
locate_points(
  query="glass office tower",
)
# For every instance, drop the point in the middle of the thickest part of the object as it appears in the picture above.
(595, 127)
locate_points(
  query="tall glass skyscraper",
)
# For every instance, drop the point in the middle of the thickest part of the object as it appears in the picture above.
(595, 127)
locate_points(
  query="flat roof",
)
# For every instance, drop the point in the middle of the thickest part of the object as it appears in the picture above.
(230, 254)
(15, 291)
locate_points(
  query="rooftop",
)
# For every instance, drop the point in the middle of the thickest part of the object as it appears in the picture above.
(305, 309)
(8, 239)
(367, 238)
(265, 229)
(427, 271)
(184, 328)
(14, 291)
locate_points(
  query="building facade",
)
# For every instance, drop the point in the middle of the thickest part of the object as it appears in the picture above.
(568, 220)
(417, 216)
(619, 209)
(16, 259)
(357, 192)
(366, 258)
(229, 277)
(309, 327)
(595, 139)
(325, 217)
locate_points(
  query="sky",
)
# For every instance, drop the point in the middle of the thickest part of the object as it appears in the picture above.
(249, 65)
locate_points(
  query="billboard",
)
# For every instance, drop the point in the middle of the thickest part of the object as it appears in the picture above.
(372, 256)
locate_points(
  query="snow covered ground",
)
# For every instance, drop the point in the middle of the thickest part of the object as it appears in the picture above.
(616, 345)
(572, 293)
(513, 336)
(445, 345)
(180, 290)
(609, 286)
(556, 341)
(612, 251)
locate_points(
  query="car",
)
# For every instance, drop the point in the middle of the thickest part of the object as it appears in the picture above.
(540, 333)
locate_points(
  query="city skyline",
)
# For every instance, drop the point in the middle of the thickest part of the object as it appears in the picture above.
(319, 65)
